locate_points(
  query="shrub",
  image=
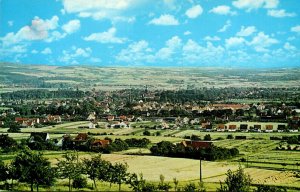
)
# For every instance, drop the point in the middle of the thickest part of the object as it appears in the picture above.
(79, 182)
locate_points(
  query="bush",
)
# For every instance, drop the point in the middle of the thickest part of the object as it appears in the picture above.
(207, 137)
(229, 136)
(191, 187)
(266, 188)
(146, 133)
(79, 182)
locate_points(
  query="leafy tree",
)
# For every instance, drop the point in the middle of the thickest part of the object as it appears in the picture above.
(236, 182)
(146, 133)
(191, 187)
(119, 174)
(207, 137)
(69, 167)
(4, 170)
(6, 142)
(79, 182)
(137, 183)
(33, 169)
(266, 188)
(14, 128)
(96, 169)
(176, 182)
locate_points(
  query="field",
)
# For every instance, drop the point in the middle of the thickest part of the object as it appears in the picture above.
(14, 77)
(265, 165)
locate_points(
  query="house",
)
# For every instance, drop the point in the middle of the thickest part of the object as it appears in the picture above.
(98, 143)
(54, 118)
(197, 144)
(221, 127)
(130, 118)
(281, 128)
(244, 127)
(110, 118)
(122, 118)
(91, 117)
(92, 124)
(269, 128)
(38, 136)
(81, 137)
(257, 128)
(204, 124)
(27, 122)
(232, 128)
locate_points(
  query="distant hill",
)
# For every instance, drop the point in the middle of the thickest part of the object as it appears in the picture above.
(18, 76)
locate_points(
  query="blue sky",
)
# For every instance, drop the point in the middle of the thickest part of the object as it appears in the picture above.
(237, 33)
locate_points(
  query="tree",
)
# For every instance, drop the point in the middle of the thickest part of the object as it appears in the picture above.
(14, 128)
(136, 183)
(34, 169)
(79, 182)
(191, 187)
(69, 167)
(119, 174)
(175, 181)
(236, 182)
(4, 172)
(6, 142)
(96, 168)
(207, 137)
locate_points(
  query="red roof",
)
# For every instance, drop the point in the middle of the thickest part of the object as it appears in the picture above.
(81, 137)
(99, 142)
(269, 127)
(221, 126)
(232, 126)
(197, 144)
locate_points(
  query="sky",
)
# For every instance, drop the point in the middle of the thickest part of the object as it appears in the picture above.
(187, 33)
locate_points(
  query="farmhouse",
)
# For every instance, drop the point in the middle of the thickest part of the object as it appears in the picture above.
(27, 122)
(54, 118)
(98, 143)
(197, 144)
(269, 128)
(38, 136)
(221, 128)
(232, 128)
(81, 137)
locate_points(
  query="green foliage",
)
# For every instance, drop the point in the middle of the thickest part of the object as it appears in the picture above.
(229, 137)
(7, 143)
(146, 133)
(97, 169)
(34, 169)
(191, 187)
(137, 183)
(69, 167)
(266, 188)
(14, 128)
(118, 174)
(79, 182)
(236, 182)
(207, 137)
(4, 171)
(133, 142)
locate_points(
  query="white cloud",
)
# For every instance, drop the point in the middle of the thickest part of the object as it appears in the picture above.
(46, 51)
(225, 27)
(296, 29)
(187, 33)
(165, 20)
(223, 10)
(250, 5)
(112, 10)
(72, 26)
(234, 42)
(167, 52)
(69, 57)
(214, 38)
(291, 38)
(105, 37)
(55, 35)
(10, 23)
(192, 52)
(38, 30)
(280, 13)
(194, 11)
(34, 51)
(289, 47)
(136, 53)
(63, 12)
(246, 31)
(261, 42)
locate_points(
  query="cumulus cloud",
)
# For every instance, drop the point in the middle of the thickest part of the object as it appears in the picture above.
(223, 10)
(105, 37)
(250, 5)
(246, 31)
(280, 13)
(165, 19)
(261, 42)
(289, 47)
(187, 33)
(72, 26)
(136, 53)
(234, 42)
(172, 45)
(225, 27)
(296, 29)
(38, 30)
(70, 57)
(46, 51)
(214, 38)
(194, 12)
